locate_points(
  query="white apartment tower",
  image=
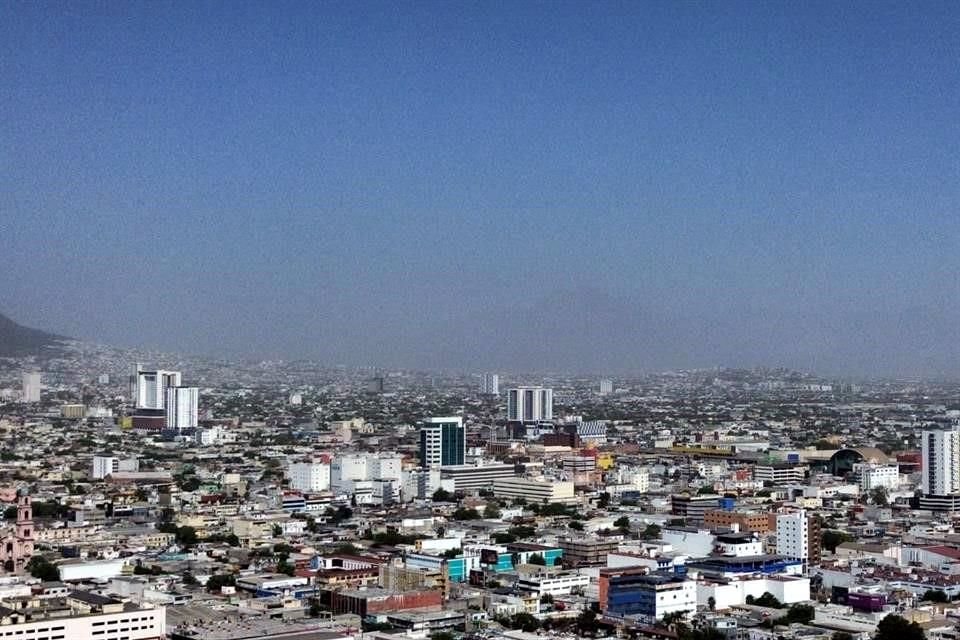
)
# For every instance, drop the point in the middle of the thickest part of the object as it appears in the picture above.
(182, 406)
(940, 473)
(31, 387)
(148, 388)
(309, 477)
(606, 387)
(793, 536)
(490, 384)
(529, 404)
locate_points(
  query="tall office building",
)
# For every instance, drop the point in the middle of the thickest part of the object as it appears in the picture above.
(182, 408)
(148, 388)
(606, 387)
(490, 384)
(31, 387)
(443, 441)
(529, 404)
(940, 462)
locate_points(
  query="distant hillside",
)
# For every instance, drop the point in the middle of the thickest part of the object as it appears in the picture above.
(17, 340)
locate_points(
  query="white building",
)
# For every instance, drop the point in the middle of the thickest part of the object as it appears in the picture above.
(490, 384)
(538, 490)
(31, 387)
(148, 388)
(874, 475)
(940, 462)
(385, 467)
(91, 616)
(793, 535)
(309, 477)
(554, 584)
(529, 404)
(211, 436)
(103, 466)
(734, 592)
(182, 406)
(606, 387)
(346, 470)
(295, 399)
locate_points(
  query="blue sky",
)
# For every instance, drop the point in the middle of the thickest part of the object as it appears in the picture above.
(582, 186)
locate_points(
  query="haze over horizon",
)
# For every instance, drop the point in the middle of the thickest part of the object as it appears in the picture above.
(597, 187)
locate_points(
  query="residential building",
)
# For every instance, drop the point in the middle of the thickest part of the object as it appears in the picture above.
(940, 462)
(31, 387)
(586, 552)
(871, 476)
(529, 404)
(490, 384)
(747, 521)
(182, 408)
(798, 537)
(148, 388)
(309, 477)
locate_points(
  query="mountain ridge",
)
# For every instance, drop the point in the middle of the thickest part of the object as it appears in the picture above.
(17, 340)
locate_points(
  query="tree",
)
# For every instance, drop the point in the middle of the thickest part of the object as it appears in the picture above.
(576, 525)
(604, 500)
(622, 523)
(879, 497)
(187, 536)
(522, 531)
(502, 537)
(768, 600)
(277, 531)
(537, 559)
(546, 599)
(285, 567)
(800, 613)
(830, 539)
(216, 582)
(233, 540)
(587, 622)
(652, 532)
(315, 608)
(452, 553)
(841, 635)
(189, 579)
(895, 627)
(442, 495)
(491, 511)
(347, 549)
(935, 595)
(465, 514)
(40, 568)
(525, 622)
(711, 603)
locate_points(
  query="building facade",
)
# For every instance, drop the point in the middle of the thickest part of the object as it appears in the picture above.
(443, 442)
(940, 462)
(182, 407)
(529, 404)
